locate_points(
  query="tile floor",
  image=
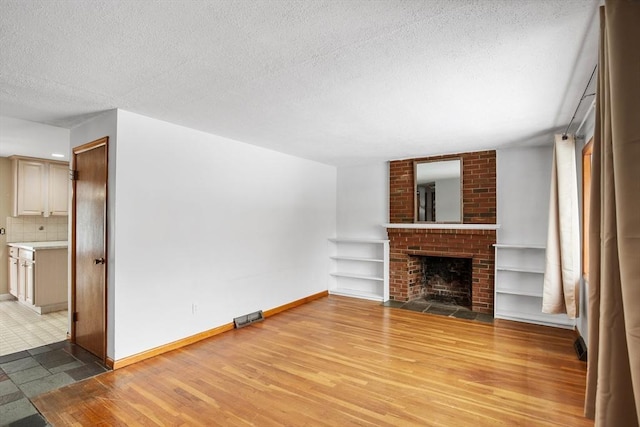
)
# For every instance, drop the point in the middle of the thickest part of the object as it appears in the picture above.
(425, 306)
(28, 373)
(22, 328)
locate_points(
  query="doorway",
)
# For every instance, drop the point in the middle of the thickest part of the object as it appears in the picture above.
(22, 328)
(89, 247)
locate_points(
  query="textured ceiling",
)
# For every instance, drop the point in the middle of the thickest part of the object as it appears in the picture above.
(339, 81)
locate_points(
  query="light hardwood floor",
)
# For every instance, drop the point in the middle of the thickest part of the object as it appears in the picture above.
(338, 362)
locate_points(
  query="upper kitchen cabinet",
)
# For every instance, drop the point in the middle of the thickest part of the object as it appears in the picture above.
(58, 189)
(29, 187)
(40, 187)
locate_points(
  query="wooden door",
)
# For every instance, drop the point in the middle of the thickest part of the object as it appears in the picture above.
(89, 249)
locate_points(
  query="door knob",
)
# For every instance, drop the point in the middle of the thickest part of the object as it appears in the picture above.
(99, 261)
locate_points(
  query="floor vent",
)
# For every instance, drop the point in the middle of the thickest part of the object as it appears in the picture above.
(248, 319)
(581, 349)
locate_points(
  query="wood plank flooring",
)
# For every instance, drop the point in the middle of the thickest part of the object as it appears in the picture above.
(338, 362)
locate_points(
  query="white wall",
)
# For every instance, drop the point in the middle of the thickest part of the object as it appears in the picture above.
(208, 229)
(523, 183)
(31, 139)
(363, 200)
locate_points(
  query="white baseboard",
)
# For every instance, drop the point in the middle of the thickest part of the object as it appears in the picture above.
(6, 297)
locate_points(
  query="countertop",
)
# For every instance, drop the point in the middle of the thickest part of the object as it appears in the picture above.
(34, 246)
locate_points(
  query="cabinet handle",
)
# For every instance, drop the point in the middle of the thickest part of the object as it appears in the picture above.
(98, 261)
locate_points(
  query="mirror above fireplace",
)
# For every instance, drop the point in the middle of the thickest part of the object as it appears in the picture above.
(438, 191)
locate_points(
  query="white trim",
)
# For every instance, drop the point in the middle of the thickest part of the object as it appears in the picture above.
(436, 226)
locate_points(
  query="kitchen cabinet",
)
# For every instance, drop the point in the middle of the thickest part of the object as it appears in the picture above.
(25, 280)
(58, 196)
(38, 275)
(13, 271)
(29, 187)
(40, 187)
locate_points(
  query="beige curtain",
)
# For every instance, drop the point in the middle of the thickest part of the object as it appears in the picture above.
(613, 379)
(562, 271)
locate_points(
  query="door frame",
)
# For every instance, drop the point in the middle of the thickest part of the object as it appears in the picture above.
(75, 151)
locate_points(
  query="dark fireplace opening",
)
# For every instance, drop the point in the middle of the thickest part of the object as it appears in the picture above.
(447, 280)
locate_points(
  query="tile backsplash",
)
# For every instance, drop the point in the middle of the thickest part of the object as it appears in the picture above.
(37, 228)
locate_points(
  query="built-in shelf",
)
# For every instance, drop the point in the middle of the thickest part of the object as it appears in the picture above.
(358, 276)
(511, 246)
(555, 320)
(356, 293)
(520, 292)
(359, 268)
(348, 258)
(352, 240)
(519, 285)
(520, 269)
(437, 226)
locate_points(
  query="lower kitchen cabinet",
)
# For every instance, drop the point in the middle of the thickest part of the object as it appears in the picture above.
(25, 280)
(13, 274)
(38, 278)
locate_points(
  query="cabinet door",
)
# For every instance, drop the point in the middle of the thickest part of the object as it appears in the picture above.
(28, 281)
(13, 277)
(58, 189)
(21, 280)
(30, 187)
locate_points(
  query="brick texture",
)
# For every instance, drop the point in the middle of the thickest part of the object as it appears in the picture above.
(478, 187)
(478, 207)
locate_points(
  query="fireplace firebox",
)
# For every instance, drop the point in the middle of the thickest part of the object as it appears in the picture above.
(447, 280)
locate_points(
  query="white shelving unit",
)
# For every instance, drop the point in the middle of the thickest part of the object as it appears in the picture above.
(359, 268)
(519, 278)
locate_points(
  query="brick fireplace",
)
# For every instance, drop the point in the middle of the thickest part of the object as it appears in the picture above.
(472, 240)
(405, 269)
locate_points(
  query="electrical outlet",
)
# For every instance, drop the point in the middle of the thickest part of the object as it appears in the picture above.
(194, 308)
(2, 231)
